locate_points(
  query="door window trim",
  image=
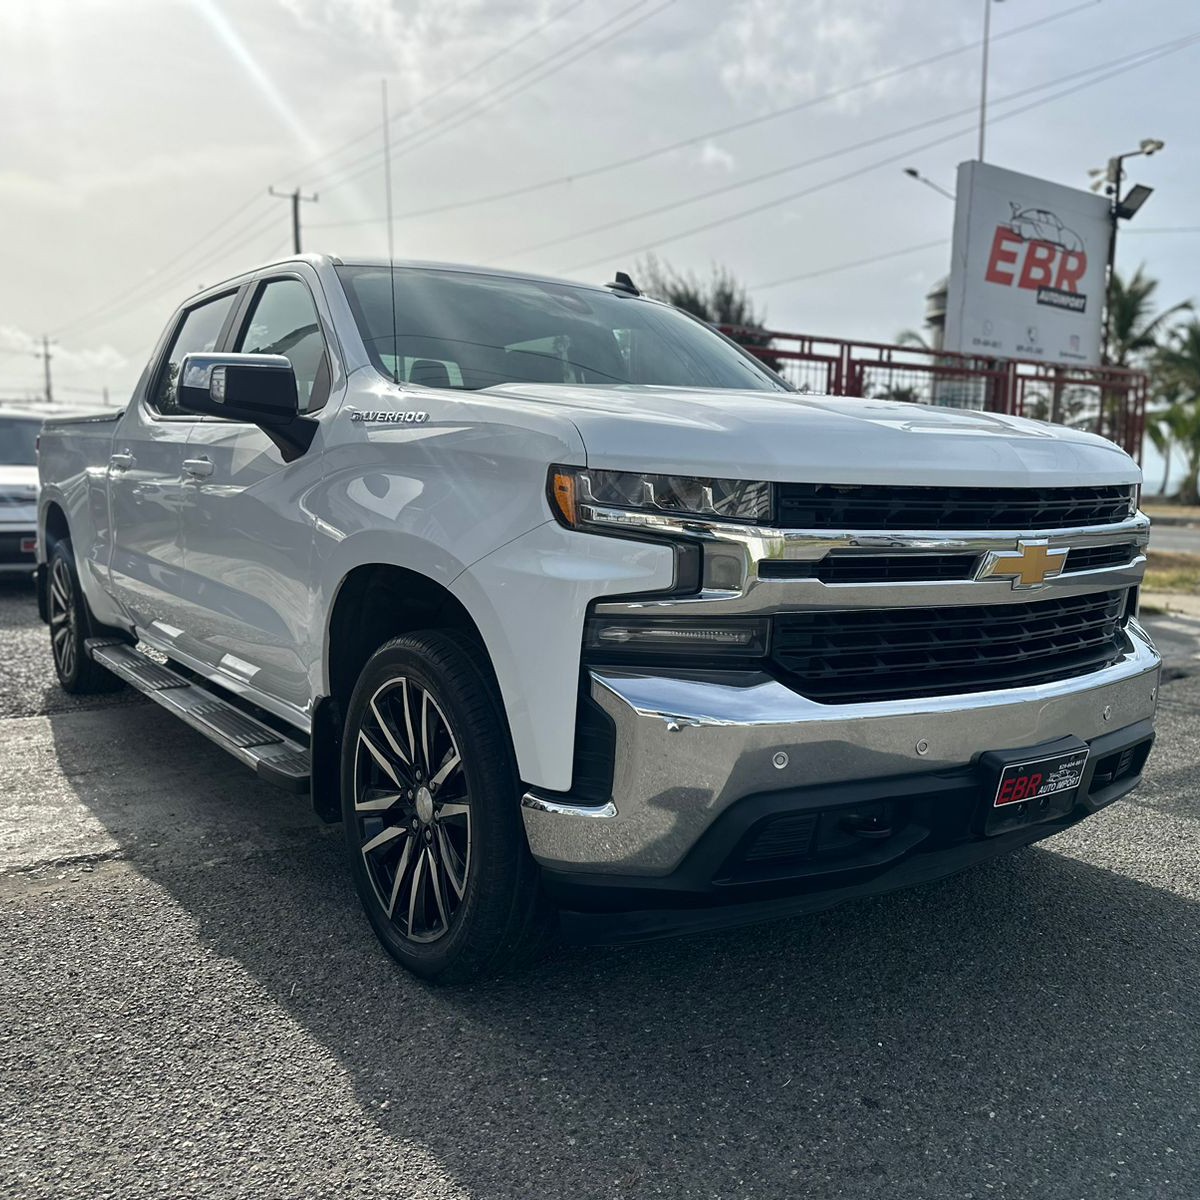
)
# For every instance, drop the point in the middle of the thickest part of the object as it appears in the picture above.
(244, 309)
(222, 341)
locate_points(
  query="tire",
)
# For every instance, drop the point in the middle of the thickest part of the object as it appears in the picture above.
(431, 811)
(71, 624)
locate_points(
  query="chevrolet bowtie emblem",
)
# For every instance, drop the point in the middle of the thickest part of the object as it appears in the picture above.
(1028, 566)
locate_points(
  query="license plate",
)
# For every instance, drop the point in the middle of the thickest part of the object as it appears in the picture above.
(1033, 781)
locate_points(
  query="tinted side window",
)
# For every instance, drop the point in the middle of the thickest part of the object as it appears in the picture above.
(284, 321)
(198, 333)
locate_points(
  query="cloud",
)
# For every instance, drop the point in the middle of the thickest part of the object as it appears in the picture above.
(712, 155)
(73, 370)
(778, 50)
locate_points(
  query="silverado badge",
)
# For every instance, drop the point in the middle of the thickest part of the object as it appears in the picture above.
(1028, 566)
(392, 418)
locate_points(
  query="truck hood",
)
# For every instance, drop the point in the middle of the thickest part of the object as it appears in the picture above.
(792, 438)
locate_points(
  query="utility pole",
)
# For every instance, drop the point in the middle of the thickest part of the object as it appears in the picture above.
(987, 37)
(45, 355)
(295, 196)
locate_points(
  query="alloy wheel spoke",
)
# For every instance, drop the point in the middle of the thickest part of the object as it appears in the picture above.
(380, 758)
(437, 888)
(445, 769)
(387, 836)
(401, 866)
(446, 852)
(408, 725)
(390, 737)
(380, 803)
(425, 731)
(454, 810)
(412, 894)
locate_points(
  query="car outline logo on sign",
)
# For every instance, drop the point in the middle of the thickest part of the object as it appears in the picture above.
(1036, 251)
(1029, 566)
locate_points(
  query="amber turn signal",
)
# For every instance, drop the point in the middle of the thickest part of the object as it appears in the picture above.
(562, 490)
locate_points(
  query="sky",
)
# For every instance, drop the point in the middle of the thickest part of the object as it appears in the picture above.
(139, 139)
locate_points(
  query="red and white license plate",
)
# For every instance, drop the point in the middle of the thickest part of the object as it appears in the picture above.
(1039, 778)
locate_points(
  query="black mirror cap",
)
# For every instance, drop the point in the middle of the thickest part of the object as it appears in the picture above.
(258, 388)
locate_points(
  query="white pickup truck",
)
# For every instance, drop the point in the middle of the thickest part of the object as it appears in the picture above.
(580, 619)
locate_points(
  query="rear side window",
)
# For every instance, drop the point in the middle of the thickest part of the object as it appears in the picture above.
(199, 332)
(284, 321)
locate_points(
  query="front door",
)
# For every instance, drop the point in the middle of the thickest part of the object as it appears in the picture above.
(248, 529)
(147, 483)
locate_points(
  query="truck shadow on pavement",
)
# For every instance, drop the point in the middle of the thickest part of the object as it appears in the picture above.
(1028, 1025)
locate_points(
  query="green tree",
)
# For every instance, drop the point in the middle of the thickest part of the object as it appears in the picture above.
(719, 300)
(1178, 369)
(1136, 329)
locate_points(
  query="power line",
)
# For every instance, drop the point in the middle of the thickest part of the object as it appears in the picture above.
(838, 152)
(475, 69)
(846, 266)
(159, 271)
(229, 246)
(1163, 229)
(588, 44)
(1180, 44)
(719, 131)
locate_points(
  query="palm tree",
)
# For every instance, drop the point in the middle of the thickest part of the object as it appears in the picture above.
(721, 300)
(914, 338)
(1135, 329)
(1179, 367)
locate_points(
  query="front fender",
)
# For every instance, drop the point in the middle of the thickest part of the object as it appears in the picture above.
(529, 599)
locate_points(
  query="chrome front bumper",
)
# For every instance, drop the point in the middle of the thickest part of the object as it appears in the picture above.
(688, 748)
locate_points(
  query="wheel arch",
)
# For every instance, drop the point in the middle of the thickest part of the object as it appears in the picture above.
(372, 603)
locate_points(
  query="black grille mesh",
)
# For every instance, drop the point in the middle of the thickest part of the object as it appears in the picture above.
(881, 654)
(825, 506)
(839, 567)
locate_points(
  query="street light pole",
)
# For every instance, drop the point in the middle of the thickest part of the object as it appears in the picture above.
(1111, 178)
(913, 173)
(983, 80)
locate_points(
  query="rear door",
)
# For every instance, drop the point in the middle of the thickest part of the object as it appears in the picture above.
(146, 480)
(247, 528)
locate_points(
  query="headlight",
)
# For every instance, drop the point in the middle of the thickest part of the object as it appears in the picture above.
(574, 490)
(620, 639)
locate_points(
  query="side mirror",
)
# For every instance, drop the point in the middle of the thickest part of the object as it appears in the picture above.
(259, 389)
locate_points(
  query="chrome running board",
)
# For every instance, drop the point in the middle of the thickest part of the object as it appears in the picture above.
(276, 759)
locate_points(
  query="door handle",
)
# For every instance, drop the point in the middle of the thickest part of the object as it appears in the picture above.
(197, 468)
(121, 462)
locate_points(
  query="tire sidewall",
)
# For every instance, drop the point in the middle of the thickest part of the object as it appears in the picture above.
(496, 835)
(78, 632)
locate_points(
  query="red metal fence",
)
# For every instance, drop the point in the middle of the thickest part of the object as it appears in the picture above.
(1110, 401)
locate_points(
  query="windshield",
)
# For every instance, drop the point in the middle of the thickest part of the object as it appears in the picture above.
(461, 330)
(18, 441)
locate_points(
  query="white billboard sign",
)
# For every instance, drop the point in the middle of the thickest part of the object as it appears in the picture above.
(1027, 272)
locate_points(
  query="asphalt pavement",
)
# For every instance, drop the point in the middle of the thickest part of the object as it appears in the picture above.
(192, 1005)
(1178, 539)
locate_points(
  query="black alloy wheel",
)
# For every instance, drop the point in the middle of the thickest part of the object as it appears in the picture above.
(431, 806)
(71, 624)
(413, 809)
